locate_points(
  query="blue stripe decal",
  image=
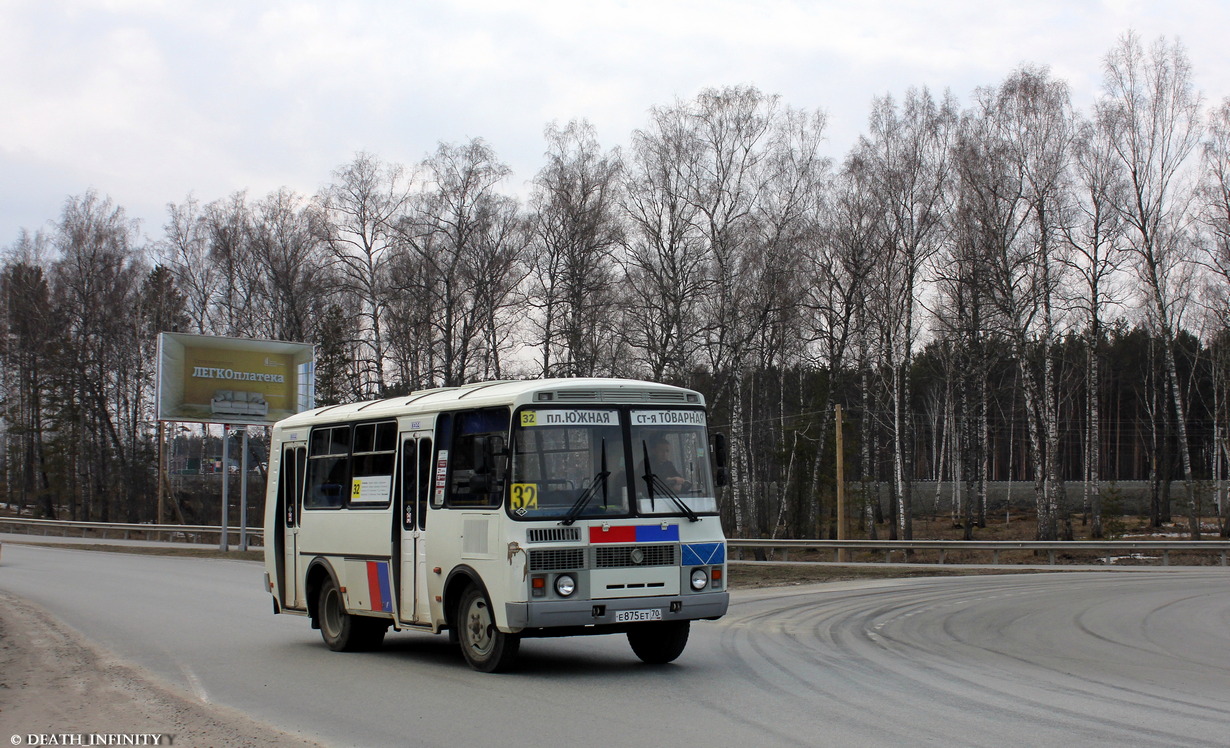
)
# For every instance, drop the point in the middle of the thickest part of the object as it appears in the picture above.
(657, 533)
(703, 554)
(386, 597)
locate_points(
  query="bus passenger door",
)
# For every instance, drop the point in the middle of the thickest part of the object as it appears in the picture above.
(415, 481)
(290, 498)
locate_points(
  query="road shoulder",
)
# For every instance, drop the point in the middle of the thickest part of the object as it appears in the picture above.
(54, 681)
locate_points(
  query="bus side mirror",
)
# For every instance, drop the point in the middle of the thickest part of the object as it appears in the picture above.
(488, 470)
(482, 455)
(487, 447)
(499, 456)
(717, 447)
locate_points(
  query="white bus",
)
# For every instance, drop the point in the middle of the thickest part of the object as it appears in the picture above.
(498, 511)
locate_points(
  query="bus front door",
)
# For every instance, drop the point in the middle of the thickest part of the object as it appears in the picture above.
(412, 563)
(290, 499)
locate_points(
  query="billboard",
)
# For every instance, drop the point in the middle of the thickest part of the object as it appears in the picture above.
(238, 381)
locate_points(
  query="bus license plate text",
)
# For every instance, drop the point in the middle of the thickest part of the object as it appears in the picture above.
(626, 616)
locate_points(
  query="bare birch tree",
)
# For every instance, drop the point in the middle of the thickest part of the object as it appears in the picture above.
(907, 150)
(840, 261)
(1039, 126)
(30, 328)
(360, 210)
(1152, 113)
(285, 241)
(664, 255)
(789, 224)
(228, 226)
(96, 279)
(468, 241)
(1214, 213)
(725, 181)
(577, 229)
(186, 247)
(1095, 235)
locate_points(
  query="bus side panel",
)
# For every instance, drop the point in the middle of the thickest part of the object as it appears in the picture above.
(484, 547)
(471, 539)
(357, 535)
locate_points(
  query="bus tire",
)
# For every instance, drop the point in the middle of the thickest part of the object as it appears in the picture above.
(485, 647)
(659, 643)
(342, 631)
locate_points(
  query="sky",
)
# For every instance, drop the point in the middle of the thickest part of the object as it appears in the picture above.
(148, 102)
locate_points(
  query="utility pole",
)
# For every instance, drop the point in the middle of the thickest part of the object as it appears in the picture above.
(841, 488)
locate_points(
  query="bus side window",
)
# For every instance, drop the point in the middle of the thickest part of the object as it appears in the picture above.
(374, 450)
(474, 468)
(328, 468)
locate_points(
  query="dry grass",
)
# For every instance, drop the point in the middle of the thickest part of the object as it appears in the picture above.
(757, 575)
(1023, 527)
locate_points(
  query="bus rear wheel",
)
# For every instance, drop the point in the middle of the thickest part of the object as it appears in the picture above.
(342, 631)
(659, 643)
(486, 648)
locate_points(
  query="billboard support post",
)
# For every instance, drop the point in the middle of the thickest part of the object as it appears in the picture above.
(162, 472)
(226, 484)
(243, 492)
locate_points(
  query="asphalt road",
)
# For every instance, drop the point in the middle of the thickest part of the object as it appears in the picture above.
(1102, 658)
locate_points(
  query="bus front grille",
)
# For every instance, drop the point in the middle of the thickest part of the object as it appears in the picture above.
(622, 556)
(554, 535)
(557, 558)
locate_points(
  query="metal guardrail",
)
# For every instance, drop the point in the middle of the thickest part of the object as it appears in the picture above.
(781, 549)
(126, 530)
(1104, 548)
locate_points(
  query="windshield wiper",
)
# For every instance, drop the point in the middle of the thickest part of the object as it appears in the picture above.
(583, 500)
(652, 481)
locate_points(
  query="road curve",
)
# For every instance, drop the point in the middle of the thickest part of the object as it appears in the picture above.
(1100, 658)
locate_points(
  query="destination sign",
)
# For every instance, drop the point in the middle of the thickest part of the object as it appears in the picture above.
(668, 418)
(531, 418)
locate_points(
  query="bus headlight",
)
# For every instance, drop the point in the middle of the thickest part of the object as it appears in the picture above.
(565, 585)
(700, 579)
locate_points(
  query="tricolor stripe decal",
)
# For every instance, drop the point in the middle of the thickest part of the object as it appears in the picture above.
(378, 586)
(635, 534)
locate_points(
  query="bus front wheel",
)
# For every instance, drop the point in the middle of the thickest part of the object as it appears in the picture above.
(485, 647)
(659, 643)
(342, 631)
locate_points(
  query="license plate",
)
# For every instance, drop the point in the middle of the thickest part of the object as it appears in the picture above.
(627, 616)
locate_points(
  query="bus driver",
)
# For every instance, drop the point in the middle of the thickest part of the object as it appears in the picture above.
(662, 466)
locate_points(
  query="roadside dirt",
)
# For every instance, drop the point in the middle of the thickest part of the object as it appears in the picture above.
(54, 683)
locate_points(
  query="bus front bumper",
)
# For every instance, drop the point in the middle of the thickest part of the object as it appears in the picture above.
(549, 614)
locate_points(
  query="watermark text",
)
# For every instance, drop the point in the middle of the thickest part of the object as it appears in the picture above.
(92, 738)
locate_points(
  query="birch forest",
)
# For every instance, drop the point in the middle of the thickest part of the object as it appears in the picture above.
(1001, 288)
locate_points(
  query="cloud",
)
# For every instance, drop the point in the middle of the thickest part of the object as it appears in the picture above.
(148, 100)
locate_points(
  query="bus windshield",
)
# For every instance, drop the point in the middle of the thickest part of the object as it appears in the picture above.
(671, 473)
(571, 464)
(568, 464)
